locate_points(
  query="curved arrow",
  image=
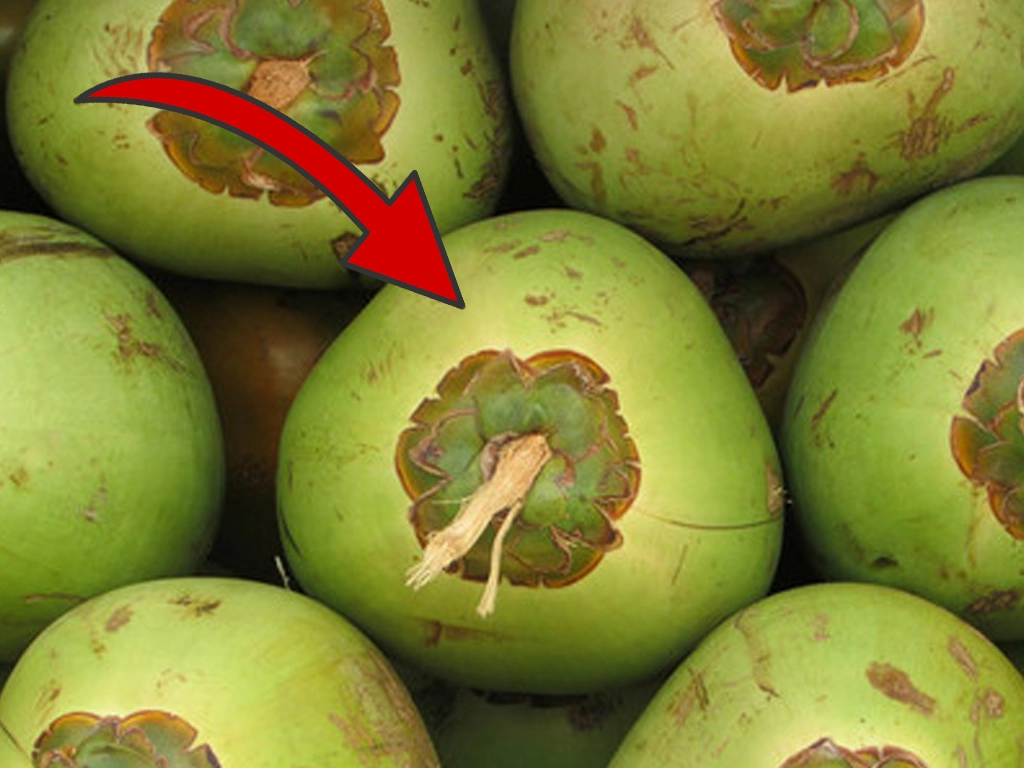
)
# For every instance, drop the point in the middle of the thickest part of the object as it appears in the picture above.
(400, 243)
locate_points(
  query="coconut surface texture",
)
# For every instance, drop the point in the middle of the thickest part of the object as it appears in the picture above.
(812, 678)
(393, 86)
(584, 418)
(902, 433)
(208, 672)
(727, 127)
(111, 456)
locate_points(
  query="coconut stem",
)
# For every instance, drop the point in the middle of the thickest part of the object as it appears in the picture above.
(519, 463)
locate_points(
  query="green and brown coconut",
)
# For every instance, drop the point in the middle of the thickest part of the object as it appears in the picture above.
(902, 434)
(721, 128)
(393, 86)
(205, 673)
(835, 676)
(111, 456)
(558, 489)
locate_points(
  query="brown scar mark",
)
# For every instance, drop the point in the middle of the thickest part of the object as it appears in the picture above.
(597, 188)
(557, 319)
(630, 113)
(819, 414)
(573, 274)
(527, 251)
(40, 597)
(858, 179)
(195, 606)
(503, 247)
(914, 325)
(118, 619)
(637, 34)
(597, 141)
(928, 131)
(121, 52)
(994, 602)
(536, 301)
(130, 348)
(760, 656)
(963, 658)
(437, 631)
(989, 703)
(642, 73)
(693, 697)
(895, 684)
(153, 306)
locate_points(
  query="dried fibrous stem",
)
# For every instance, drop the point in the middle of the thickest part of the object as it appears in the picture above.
(520, 461)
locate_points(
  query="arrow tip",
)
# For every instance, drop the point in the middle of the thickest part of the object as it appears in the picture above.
(405, 248)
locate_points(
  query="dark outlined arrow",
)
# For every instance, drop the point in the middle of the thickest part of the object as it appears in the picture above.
(400, 243)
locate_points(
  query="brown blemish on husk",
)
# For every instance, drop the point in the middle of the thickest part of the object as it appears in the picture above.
(151, 737)
(988, 443)
(989, 704)
(857, 179)
(997, 601)
(61, 597)
(694, 697)
(963, 658)
(822, 409)
(895, 684)
(436, 631)
(928, 130)
(118, 618)
(386, 726)
(805, 50)
(196, 606)
(42, 242)
(130, 348)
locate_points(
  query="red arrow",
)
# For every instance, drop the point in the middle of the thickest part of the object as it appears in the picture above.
(400, 243)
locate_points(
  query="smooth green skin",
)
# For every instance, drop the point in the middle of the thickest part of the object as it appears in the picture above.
(872, 474)
(794, 668)
(268, 677)
(699, 540)
(478, 733)
(111, 462)
(128, 193)
(10, 755)
(719, 166)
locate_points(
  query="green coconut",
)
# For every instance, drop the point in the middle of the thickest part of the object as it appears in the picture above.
(835, 676)
(902, 433)
(558, 489)
(204, 673)
(111, 457)
(721, 128)
(394, 86)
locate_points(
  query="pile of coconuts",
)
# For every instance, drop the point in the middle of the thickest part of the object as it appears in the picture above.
(721, 464)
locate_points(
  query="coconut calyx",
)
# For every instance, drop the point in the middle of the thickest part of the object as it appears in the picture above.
(825, 753)
(518, 470)
(146, 739)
